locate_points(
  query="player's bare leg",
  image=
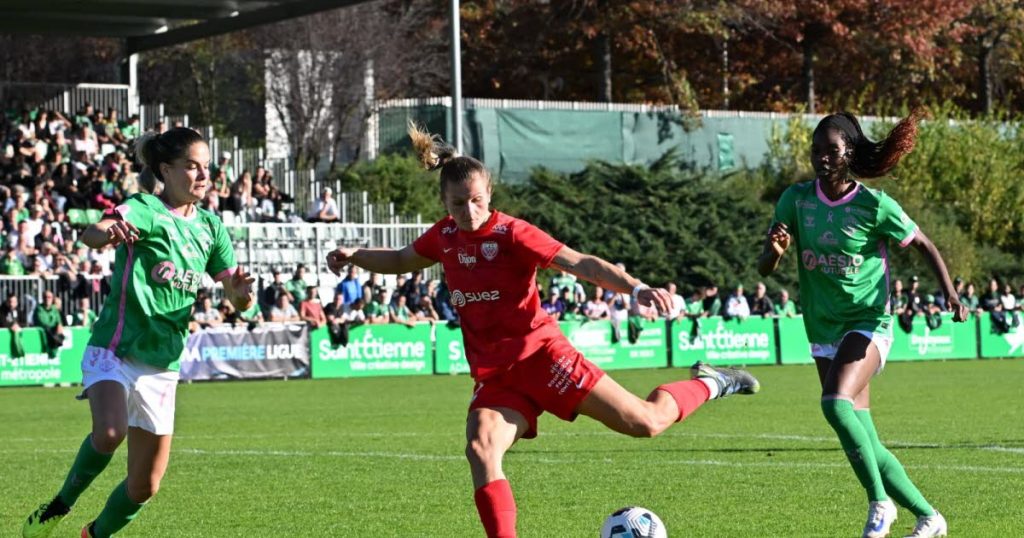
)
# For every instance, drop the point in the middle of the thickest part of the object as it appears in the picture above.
(490, 432)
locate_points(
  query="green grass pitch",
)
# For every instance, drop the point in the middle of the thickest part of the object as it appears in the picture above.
(384, 457)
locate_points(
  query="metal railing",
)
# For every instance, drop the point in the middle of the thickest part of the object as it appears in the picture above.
(68, 291)
(68, 98)
(260, 248)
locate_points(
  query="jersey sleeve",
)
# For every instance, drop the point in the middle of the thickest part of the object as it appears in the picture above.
(428, 245)
(785, 209)
(221, 262)
(533, 245)
(136, 212)
(893, 222)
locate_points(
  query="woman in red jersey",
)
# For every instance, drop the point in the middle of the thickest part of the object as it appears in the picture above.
(520, 360)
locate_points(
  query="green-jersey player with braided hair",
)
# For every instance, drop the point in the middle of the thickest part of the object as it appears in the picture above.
(842, 230)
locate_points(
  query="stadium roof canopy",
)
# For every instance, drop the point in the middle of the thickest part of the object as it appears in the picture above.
(151, 24)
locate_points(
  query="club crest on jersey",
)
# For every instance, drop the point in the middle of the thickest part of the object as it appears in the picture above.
(828, 238)
(467, 256)
(489, 249)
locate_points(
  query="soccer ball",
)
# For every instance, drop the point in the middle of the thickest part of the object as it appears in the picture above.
(633, 522)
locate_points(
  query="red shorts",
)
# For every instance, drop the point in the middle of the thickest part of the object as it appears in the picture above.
(555, 379)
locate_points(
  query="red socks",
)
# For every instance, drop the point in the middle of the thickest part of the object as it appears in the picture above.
(497, 509)
(689, 395)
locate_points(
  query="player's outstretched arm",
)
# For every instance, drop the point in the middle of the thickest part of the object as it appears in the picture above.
(611, 277)
(934, 258)
(109, 231)
(378, 260)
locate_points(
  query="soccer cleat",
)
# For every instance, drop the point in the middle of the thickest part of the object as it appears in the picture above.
(881, 516)
(41, 523)
(729, 380)
(927, 526)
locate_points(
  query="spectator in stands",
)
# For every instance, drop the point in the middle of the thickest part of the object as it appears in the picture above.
(373, 284)
(712, 305)
(443, 304)
(252, 315)
(573, 309)
(47, 317)
(761, 304)
(425, 310)
(297, 286)
(270, 294)
(283, 311)
(1007, 298)
(970, 299)
(736, 305)
(205, 315)
(414, 288)
(898, 300)
(678, 302)
(355, 315)
(596, 308)
(12, 315)
(131, 129)
(242, 201)
(84, 316)
(223, 167)
(349, 286)
(785, 307)
(914, 298)
(991, 299)
(11, 264)
(376, 310)
(325, 209)
(339, 318)
(399, 312)
(310, 309)
(553, 304)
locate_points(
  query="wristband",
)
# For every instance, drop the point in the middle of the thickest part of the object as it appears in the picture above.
(636, 291)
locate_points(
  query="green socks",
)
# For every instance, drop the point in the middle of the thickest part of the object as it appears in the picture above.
(119, 511)
(857, 444)
(895, 479)
(89, 463)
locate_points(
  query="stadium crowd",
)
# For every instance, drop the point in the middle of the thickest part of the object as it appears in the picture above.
(60, 171)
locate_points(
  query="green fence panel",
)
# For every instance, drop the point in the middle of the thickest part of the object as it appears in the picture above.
(995, 344)
(531, 138)
(35, 367)
(594, 340)
(724, 342)
(948, 341)
(793, 345)
(373, 350)
(450, 357)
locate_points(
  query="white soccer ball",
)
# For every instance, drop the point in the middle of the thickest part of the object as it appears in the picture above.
(633, 522)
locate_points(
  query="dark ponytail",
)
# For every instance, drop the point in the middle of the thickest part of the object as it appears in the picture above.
(154, 149)
(434, 154)
(874, 159)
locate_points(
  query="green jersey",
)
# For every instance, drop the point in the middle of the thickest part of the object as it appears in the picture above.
(155, 280)
(844, 266)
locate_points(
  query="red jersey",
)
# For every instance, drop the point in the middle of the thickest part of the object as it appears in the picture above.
(492, 277)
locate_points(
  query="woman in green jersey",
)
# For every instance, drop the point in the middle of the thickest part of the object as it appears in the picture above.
(130, 367)
(842, 229)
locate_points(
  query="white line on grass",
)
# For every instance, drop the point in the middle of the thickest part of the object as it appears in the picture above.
(699, 435)
(541, 459)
